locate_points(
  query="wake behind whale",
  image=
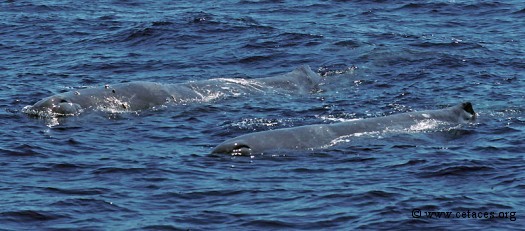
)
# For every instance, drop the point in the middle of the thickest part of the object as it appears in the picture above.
(135, 96)
(319, 136)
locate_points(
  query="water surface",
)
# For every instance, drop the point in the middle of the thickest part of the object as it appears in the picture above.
(151, 170)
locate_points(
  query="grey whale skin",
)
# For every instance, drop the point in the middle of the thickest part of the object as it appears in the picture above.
(135, 96)
(321, 135)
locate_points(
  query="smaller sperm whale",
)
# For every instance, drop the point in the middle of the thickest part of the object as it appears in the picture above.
(323, 135)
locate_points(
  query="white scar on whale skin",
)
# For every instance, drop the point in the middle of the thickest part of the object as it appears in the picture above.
(320, 136)
(135, 96)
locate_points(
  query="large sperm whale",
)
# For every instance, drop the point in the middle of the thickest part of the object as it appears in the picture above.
(324, 135)
(134, 96)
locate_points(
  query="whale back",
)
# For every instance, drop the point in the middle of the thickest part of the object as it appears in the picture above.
(323, 135)
(302, 80)
(294, 138)
(140, 95)
(461, 113)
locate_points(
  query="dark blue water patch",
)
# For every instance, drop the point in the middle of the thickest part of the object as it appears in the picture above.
(284, 40)
(60, 167)
(348, 43)
(443, 8)
(422, 5)
(29, 216)
(458, 171)
(410, 163)
(209, 195)
(92, 204)
(449, 45)
(162, 33)
(24, 150)
(519, 11)
(162, 227)
(272, 224)
(257, 2)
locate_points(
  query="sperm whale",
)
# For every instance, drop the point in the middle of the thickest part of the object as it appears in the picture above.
(134, 96)
(324, 135)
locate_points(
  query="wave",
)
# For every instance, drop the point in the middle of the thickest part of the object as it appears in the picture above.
(22, 216)
(163, 228)
(460, 170)
(459, 7)
(190, 28)
(91, 204)
(77, 191)
(24, 150)
(522, 11)
(448, 45)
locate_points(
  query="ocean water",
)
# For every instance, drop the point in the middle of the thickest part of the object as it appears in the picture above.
(151, 170)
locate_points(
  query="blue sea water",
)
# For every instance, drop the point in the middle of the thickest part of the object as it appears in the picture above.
(151, 170)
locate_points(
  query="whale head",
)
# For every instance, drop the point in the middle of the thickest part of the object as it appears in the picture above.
(235, 148)
(55, 105)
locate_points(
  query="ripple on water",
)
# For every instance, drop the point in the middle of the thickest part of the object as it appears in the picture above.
(24, 150)
(21, 216)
